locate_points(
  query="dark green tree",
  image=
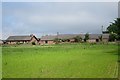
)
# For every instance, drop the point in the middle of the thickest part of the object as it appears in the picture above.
(65, 40)
(78, 39)
(33, 43)
(114, 27)
(86, 37)
(113, 36)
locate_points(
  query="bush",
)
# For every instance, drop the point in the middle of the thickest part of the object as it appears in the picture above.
(65, 40)
(33, 43)
(57, 40)
(112, 36)
(18, 43)
(78, 39)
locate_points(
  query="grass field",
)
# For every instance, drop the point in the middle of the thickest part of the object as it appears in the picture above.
(61, 61)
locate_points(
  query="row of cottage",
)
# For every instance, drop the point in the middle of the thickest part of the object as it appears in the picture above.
(50, 39)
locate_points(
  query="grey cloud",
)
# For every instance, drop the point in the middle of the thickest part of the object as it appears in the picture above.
(49, 18)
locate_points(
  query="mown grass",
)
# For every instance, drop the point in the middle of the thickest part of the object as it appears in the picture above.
(61, 61)
(0, 62)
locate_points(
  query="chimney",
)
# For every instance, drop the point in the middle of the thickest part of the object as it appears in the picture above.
(57, 34)
(102, 29)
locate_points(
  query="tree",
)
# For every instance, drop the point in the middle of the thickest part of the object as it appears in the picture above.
(57, 40)
(65, 40)
(113, 36)
(114, 29)
(78, 39)
(33, 43)
(86, 37)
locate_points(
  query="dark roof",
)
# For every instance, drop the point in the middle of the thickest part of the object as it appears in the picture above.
(4, 40)
(48, 37)
(69, 36)
(94, 36)
(61, 36)
(105, 36)
(17, 38)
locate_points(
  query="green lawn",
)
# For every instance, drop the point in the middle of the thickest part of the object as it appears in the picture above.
(61, 61)
(0, 62)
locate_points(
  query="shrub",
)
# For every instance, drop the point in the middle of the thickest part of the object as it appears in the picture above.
(18, 43)
(113, 36)
(57, 40)
(33, 43)
(78, 39)
(65, 40)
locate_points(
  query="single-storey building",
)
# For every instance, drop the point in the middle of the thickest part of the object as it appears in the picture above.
(1, 42)
(105, 37)
(96, 37)
(49, 39)
(4, 41)
(69, 37)
(21, 39)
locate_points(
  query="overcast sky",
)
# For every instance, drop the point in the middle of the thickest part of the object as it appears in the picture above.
(42, 18)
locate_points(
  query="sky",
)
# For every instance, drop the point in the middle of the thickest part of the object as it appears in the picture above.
(0, 20)
(48, 18)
